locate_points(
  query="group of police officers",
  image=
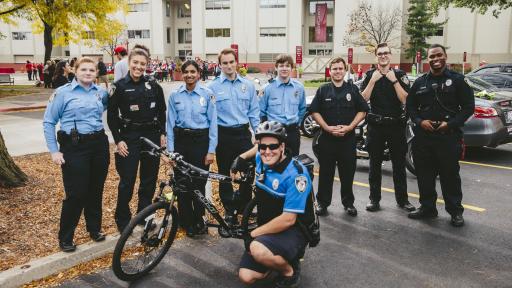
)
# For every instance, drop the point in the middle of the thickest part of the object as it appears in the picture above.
(204, 123)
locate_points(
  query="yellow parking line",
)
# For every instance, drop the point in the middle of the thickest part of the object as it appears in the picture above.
(486, 165)
(415, 195)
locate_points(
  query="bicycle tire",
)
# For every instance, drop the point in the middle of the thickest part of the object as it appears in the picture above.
(147, 240)
(249, 222)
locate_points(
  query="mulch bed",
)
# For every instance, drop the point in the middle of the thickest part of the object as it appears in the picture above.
(30, 215)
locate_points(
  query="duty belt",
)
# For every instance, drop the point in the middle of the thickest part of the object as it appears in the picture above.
(382, 120)
(141, 126)
(234, 129)
(291, 126)
(63, 137)
(190, 132)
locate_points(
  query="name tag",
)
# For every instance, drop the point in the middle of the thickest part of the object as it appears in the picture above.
(134, 107)
(328, 99)
(153, 104)
(129, 90)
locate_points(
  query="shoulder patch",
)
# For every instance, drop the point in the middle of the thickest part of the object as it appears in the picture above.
(212, 97)
(111, 90)
(52, 97)
(301, 183)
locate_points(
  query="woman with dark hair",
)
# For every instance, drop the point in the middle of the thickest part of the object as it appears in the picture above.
(192, 132)
(60, 77)
(136, 109)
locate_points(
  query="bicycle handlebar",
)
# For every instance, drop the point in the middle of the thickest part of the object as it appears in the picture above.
(188, 168)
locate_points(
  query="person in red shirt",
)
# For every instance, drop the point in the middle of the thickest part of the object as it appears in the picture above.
(28, 67)
(40, 70)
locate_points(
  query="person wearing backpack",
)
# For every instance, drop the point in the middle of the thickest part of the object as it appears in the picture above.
(284, 202)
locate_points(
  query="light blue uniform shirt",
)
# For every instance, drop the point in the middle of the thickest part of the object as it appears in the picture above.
(73, 103)
(192, 110)
(284, 102)
(237, 102)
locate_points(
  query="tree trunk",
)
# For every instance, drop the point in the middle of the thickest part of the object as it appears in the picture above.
(10, 174)
(48, 41)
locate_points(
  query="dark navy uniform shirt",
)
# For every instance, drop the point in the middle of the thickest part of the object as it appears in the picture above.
(140, 102)
(338, 105)
(455, 101)
(384, 100)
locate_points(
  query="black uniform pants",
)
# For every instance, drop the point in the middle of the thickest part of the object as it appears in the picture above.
(394, 136)
(293, 139)
(127, 169)
(232, 143)
(340, 152)
(194, 150)
(83, 173)
(438, 155)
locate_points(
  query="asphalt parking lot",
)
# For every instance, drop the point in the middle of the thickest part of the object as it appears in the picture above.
(380, 249)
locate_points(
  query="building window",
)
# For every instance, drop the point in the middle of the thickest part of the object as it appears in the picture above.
(88, 35)
(312, 34)
(184, 36)
(439, 32)
(184, 11)
(268, 57)
(167, 8)
(273, 32)
(138, 7)
(312, 6)
(217, 4)
(21, 35)
(185, 54)
(320, 52)
(218, 32)
(138, 34)
(168, 34)
(272, 3)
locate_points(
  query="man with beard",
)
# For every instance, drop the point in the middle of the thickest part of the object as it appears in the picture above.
(439, 103)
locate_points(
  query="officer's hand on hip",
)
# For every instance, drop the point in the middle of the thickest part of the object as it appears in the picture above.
(443, 127)
(163, 141)
(208, 159)
(391, 75)
(427, 125)
(122, 148)
(376, 76)
(58, 158)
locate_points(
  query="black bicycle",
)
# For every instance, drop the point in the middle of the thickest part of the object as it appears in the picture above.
(140, 248)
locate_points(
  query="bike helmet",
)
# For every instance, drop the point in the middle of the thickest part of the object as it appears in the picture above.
(272, 129)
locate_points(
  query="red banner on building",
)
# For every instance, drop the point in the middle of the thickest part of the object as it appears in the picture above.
(298, 54)
(350, 57)
(321, 23)
(235, 47)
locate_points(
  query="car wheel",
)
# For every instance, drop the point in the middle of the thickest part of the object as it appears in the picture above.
(409, 162)
(308, 126)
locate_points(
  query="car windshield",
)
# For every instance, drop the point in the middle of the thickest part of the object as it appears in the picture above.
(478, 84)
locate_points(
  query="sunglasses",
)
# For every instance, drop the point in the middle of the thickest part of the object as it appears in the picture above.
(263, 147)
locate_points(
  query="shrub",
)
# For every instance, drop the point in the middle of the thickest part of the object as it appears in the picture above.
(253, 70)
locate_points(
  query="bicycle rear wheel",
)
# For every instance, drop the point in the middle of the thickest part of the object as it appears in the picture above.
(140, 249)
(250, 218)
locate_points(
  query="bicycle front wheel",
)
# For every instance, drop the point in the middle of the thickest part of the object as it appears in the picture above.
(145, 241)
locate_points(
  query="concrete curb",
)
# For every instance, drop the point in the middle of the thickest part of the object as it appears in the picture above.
(23, 108)
(46, 266)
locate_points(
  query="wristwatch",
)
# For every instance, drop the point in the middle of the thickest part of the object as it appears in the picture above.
(394, 82)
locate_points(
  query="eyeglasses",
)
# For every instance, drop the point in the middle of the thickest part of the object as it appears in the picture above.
(380, 54)
(263, 147)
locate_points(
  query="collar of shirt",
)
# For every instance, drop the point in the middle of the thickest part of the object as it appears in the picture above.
(223, 78)
(279, 82)
(184, 88)
(75, 84)
(129, 78)
(279, 167)
(446, 72)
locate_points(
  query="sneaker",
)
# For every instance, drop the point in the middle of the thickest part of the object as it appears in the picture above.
(290, 281)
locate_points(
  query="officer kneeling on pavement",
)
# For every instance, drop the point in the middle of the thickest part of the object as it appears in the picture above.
(283, 188)
(439, 103)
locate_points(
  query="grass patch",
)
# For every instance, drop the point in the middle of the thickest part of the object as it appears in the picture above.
(16, 90)
(314, 83)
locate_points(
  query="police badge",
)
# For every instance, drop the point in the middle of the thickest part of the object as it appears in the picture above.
(275, 184)
(202, 101)
(243, 88)
(212, 98)
(449, 82)
(301, 183)
(148, 86)
(349, 97)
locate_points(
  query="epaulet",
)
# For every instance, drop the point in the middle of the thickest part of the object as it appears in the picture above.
(297, 165)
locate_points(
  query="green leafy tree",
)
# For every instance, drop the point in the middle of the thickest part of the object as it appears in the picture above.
(482, 6)
(63, 21)
(419, 27)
